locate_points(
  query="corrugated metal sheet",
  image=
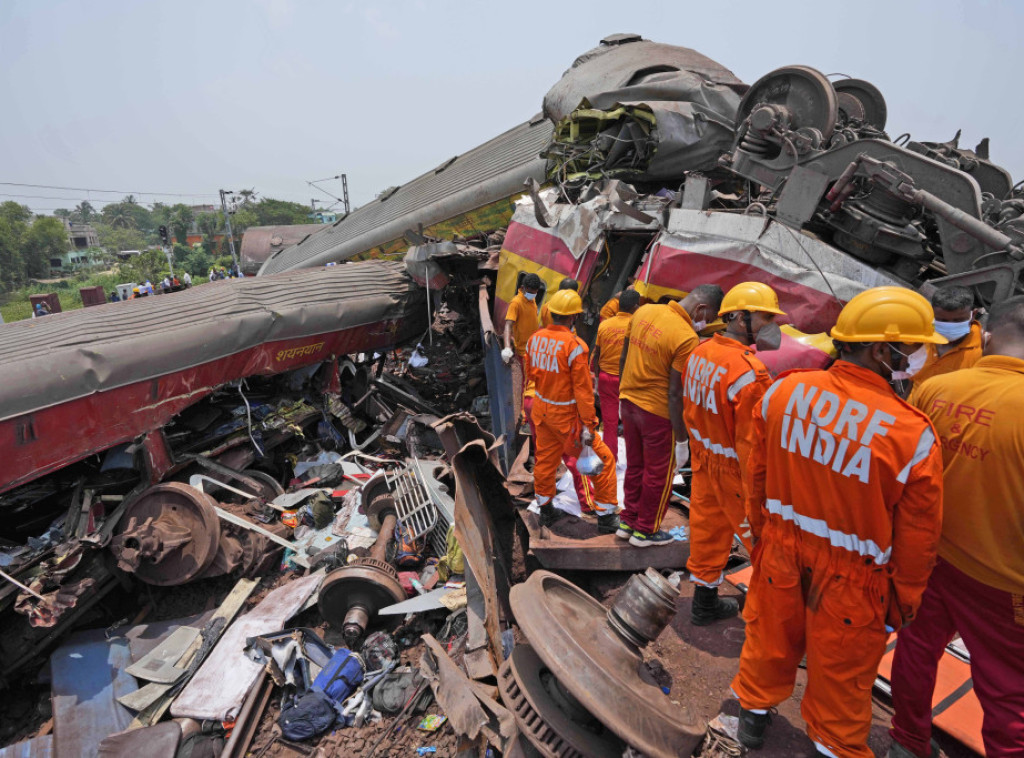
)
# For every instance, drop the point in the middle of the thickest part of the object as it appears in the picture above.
(490, 172)
(37, 747)
(57, 358)
(260, 242)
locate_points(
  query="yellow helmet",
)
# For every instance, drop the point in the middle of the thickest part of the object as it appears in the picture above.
(751, 296)
(565, 303)
(887, 314)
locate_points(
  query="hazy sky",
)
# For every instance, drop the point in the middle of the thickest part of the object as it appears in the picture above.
(188, 97)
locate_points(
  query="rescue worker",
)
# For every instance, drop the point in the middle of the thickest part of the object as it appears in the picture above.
(611, 307)
(521, 321)
(563, 411)
(844, 494)
(977, 586)
(654, 354)
(955, 319)
(545, 313)
(724, 381)
(611, 334)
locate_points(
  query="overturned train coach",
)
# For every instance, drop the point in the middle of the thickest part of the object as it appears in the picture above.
(662, 169)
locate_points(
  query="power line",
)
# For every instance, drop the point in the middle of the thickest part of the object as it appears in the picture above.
(111, 192)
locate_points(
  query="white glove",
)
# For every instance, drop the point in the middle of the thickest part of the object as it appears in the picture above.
(682, 453)
(506, 355)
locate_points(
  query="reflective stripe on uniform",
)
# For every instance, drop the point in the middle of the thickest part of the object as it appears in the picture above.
(768, 396)
(739, 384)
(924, 447)
(714, 447)
(575, 353)
(554, 402)
(819, 528)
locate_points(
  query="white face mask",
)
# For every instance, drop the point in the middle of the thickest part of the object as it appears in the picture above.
(953, 330)
(915, 362)
(530, 295)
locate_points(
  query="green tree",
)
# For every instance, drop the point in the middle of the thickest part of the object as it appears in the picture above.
(83, 212)
(14, 219)
(180, 221)
(45, 239)
(209, 224)
(115, 239)
(198, 263)
(63, 214)
(149, 265)
(128, 214)
(272, 212)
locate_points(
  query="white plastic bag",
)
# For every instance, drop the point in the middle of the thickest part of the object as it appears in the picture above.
(589, 463)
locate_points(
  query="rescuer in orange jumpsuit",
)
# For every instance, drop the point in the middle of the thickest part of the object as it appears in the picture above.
(955, 319)
(723, 383)
(844, 499)
(563, 411)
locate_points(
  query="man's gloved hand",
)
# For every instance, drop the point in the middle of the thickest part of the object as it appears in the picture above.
(506, 355)
(682, 453)
(587, 436)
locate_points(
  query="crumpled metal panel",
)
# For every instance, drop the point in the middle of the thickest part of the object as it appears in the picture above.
(634, 70)
(487, 173)
(813, 279)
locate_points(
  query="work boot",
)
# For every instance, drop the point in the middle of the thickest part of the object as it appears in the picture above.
(549, 514)
(708, 607)
(608, 524)
(751, 728)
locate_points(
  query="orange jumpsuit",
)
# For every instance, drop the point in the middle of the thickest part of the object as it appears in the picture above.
(844, 492)
(558, 364)
(724, 381)
(962, 355)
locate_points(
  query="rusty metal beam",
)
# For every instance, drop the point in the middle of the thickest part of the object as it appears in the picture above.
(484, 521)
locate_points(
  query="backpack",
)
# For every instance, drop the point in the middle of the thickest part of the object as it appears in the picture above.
(341, 676)
(307, 716)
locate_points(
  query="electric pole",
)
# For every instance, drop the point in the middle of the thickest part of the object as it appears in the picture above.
(227, 223)
(344, 191)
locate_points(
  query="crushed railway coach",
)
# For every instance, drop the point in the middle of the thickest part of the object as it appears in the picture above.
(151, 438)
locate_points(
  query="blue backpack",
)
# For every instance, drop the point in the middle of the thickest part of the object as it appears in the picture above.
(341, 676)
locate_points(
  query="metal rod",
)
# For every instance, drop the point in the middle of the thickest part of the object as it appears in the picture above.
(29, 590)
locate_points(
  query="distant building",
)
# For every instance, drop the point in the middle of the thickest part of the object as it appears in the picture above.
(75, 259)
(81, 236)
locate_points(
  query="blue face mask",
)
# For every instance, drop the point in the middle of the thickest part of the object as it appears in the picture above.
(953, 330)
(530, 295)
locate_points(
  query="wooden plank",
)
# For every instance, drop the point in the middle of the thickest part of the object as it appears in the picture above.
(604, 552)
(37, 747)
(160, 695)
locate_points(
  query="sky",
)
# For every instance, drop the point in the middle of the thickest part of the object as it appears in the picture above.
(186, 97)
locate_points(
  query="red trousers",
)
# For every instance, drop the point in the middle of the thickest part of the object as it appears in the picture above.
(584, 489)
(608, 391)
(805, 598)
(991, 624)
(716, 514)
(650, 467)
